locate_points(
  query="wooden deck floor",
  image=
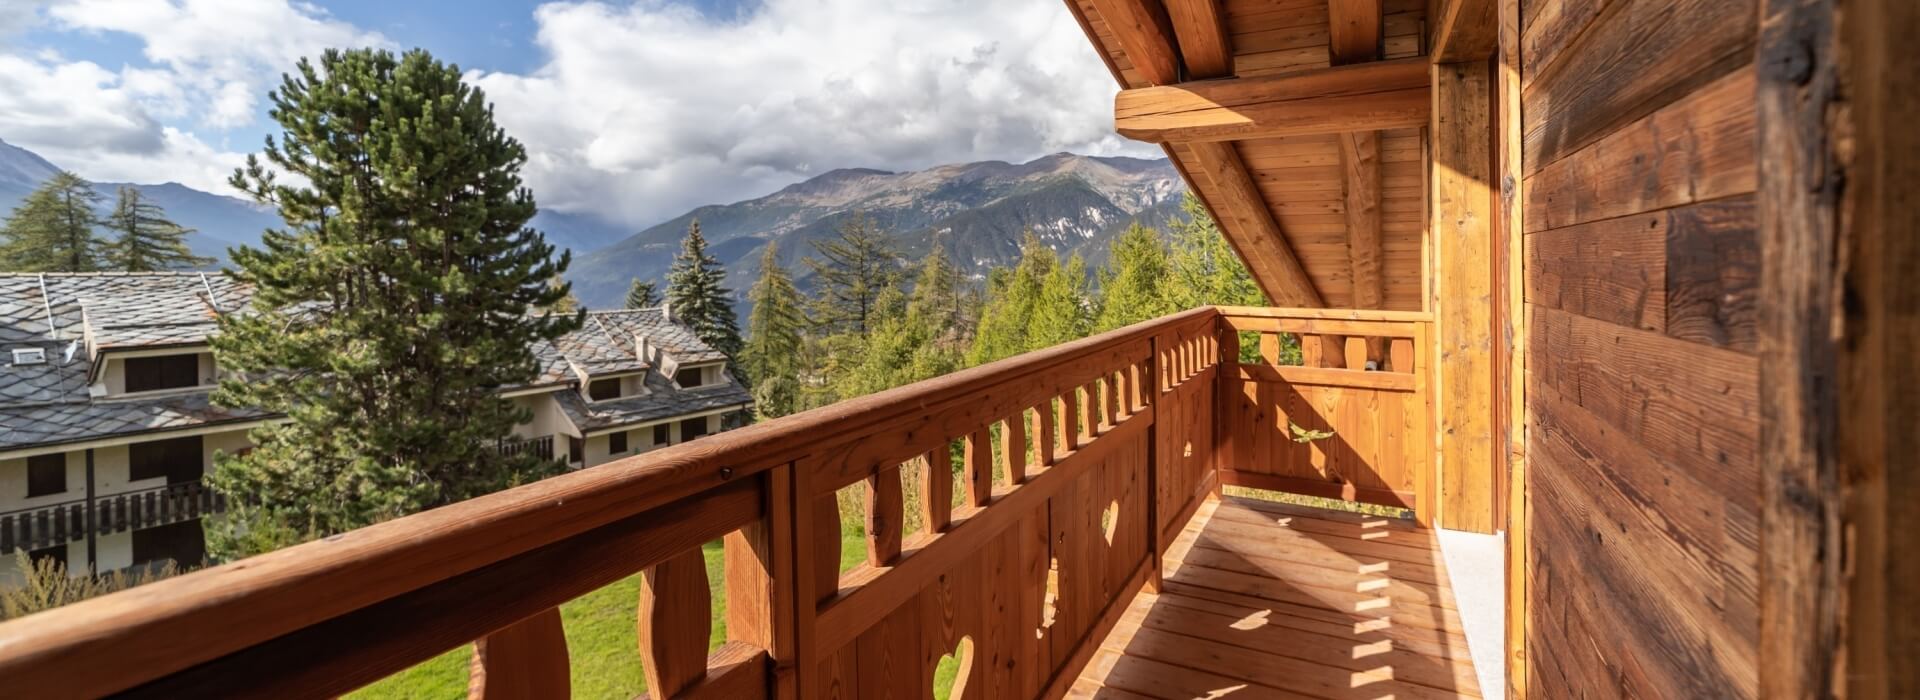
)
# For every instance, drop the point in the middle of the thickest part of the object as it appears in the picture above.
(1269, 600)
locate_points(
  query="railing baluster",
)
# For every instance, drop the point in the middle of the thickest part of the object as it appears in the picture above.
(1014, 448)
(1043, 432)
(1356, 353)
(6, 534)
(1069, 420)
(936, 508)
(1400, 354)
(884, 516)
(979, 467)
(1110, 390)
(826, 546)
(675, 619)
(1089, 421)
(527, 659)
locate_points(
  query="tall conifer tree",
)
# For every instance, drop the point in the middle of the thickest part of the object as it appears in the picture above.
(855, 267)
(53, 229)
(1011, 295)
(772, 355)
(1134, 285)
(403, 293)
(698, 297)
(642, 295)
(149, 241)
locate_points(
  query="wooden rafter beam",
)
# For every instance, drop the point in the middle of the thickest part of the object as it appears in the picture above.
(1201, 28)
(1364, 97)
(1264, 245)
(1463, 30)
(1360, 156)
(1354, 29)
(1142, 29)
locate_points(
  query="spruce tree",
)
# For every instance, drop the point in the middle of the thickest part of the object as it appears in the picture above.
(854, 268)
(938, 303)
(1011, 295)
(1061, 312)
(403, 293)
(52, 230)
(642, 295)
(1133, 287)
(149, 241)
(772, 356)
(697, 295)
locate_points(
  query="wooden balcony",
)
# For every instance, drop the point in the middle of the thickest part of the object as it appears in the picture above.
(1090, 551)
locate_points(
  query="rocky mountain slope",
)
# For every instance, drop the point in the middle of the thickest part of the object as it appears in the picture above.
(976, 211)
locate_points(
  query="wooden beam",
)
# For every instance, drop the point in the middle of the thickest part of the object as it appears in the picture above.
(1368, 96)
(1360, 156)
(1879, 450)
(1251, 224)
(1463, 30)
(1803, 548)
(1145, 34)
(1205, 45)
(1354, 28)
(1463, 275)
(1509, 142)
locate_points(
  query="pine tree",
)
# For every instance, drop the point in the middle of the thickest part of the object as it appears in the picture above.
(1202, 269)
(642, 295)
(149, 241)
(386, 315)
(938, 303)
(1011, 295)
(1133, 287)
(854, 268)
(1061, 312)
(697, 295)
(772, 356)
(53, 229)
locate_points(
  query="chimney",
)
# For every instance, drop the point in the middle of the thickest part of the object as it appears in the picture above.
(666, 312)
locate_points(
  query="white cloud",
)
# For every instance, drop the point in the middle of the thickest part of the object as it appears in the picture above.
(645, 111)
(223, 55)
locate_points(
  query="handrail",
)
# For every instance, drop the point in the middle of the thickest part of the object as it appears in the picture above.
(220, 611)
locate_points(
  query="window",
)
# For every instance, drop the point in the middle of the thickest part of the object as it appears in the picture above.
(179, 460)
(56, 554)
(662, 434)
(603, 389)
(617, 443)
(576, 450)
(46, 475)
(183, 542)
(688, 378)
(693, 428)
(163, 372)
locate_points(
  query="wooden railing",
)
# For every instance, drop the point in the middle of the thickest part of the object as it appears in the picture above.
(541, 447)
(1076, 462)
(1359, 397)
(69, 521)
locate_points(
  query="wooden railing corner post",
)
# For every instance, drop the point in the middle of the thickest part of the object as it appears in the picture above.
(761, 583)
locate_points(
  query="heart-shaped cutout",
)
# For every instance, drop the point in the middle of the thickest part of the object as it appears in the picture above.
(950, 675)
(1110, 521)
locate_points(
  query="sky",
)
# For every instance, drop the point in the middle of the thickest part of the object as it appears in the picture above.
(631, 111)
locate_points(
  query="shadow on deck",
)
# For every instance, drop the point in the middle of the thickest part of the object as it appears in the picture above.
(1271, 600)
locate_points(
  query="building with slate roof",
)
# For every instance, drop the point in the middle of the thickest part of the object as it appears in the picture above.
(106, 426)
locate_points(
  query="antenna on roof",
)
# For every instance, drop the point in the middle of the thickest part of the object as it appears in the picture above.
(211, 301)
(46, 301)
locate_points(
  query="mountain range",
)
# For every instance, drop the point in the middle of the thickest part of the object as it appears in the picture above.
(977, 212)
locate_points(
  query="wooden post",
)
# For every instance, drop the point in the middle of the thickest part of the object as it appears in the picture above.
(527, 659)
(936, 505)
(759, 570)
(675, 613)
(885, 511)
(1512, 179)
(1463, 275)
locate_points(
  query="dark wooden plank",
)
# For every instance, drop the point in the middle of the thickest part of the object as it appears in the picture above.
(1713, 273)
(1697, 149)
(1612, 270)
(1629, 63)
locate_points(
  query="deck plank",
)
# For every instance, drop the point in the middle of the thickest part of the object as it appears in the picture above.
(1272, 600)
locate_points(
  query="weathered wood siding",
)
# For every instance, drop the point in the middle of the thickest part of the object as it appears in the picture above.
(1642, 265)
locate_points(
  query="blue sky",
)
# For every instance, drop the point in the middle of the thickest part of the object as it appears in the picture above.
(631, 111)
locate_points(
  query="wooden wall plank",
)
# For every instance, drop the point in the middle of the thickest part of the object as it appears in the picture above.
(1463, 238)
(1627, 63)
(1698, 148)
